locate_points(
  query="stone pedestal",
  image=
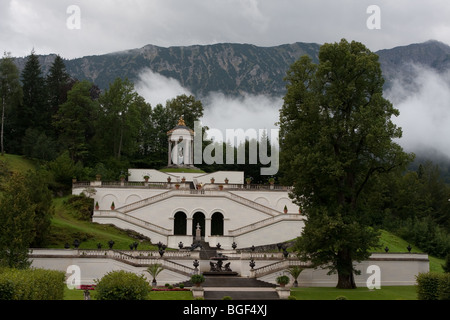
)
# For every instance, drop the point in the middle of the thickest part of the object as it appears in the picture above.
(198, 292)
(283, 292)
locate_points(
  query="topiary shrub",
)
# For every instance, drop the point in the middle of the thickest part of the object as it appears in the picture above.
(444, 287)
(122, 285)
(429, 285)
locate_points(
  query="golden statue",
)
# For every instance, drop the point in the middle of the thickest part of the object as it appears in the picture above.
(181, 122)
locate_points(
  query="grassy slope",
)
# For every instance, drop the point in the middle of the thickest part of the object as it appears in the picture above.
(18, 163)
(66, 228)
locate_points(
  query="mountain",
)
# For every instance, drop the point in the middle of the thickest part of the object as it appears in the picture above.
(234, 68)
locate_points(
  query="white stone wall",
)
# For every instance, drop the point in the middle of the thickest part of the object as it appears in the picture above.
(395, 269)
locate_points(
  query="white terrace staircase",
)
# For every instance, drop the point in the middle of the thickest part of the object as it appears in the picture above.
(195, 193)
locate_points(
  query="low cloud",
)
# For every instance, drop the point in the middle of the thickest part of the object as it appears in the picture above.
(221, 112)
(424, 104)
(157, 89)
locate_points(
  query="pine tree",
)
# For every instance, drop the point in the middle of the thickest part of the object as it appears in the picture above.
(58, 83)
(34, 113)
(11, 97)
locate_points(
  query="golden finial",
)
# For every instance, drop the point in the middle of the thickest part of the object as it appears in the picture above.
(181, 122)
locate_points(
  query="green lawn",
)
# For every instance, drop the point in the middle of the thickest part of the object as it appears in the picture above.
(363, 293)
(154, 295)
(385, 293)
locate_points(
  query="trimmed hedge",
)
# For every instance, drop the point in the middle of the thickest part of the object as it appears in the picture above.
(31, 284)
(433, 286)
(122, 285)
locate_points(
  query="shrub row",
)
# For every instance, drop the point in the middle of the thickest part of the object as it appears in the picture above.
(31, 284)
(433, 286)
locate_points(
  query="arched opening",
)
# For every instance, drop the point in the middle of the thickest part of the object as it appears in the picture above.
(198, 218)
(217, 224)
(180, 224)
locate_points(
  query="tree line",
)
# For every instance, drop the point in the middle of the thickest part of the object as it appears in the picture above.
(79, 131)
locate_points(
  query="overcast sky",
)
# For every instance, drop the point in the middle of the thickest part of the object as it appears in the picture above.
(114, 25)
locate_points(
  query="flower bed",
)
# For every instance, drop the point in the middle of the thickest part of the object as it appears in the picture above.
(87, 287)
(167, 289)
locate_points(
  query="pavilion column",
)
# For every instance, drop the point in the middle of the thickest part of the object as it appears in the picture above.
(189, 226)
(169, 162)
(207, 228)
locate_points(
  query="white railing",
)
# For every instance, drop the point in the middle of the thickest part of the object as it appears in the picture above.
(133, 220)
(142, 203)
(147, 258)
(265, 223)
(278, 266)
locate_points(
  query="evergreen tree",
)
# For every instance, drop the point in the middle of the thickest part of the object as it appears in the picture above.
(35, 111)
(11, 98)
(58, 83)
(335, 136)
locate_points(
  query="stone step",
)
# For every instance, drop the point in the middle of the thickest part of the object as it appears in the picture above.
(241, 295)
(232, 282)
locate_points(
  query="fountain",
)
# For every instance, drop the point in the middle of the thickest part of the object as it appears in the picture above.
(218, 268)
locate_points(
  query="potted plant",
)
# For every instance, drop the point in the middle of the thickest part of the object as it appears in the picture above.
(97, 206)
(295, 271)
(212, 180)
(282, 280)
(226, 180)
(169, 179)
(183, 179)
(271, 180)
(221, 187)
(98, 177)
(285, 209)
(177, 186)
(113, 206)
(122, 177)
(146, 178)
(154, 270)
(197, 279)
(248, 180)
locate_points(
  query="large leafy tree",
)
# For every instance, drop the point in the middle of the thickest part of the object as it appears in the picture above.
(336, 135)
(74, 121)
(187, 107)
(120, 119)
(17, 227)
